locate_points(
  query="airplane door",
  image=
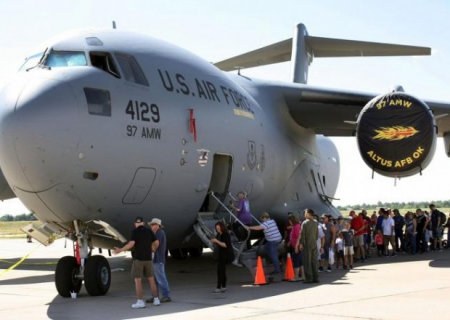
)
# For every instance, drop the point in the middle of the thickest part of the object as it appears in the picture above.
(220, 180)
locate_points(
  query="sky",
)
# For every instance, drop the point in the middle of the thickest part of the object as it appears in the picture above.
(216, 30)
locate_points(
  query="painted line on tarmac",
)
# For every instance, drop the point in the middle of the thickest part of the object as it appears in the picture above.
(19, 262)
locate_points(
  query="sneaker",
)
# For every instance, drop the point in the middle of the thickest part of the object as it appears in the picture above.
(351, 266)
(217, 290)
(150, 300)
(156, 302)
(165, 299)
(223, 290)
(345, 267)
(363, 260)
(236, 264)
(320, 269)
(394, 255)
(329, 269)
(138, 305)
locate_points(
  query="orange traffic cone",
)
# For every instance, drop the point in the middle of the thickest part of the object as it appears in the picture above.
(289, 273)
(260, 278)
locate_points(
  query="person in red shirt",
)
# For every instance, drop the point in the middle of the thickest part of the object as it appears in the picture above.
(358, 226)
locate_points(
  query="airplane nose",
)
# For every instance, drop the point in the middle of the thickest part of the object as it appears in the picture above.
(36, 118)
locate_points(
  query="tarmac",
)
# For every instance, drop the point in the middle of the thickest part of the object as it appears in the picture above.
(402, 287)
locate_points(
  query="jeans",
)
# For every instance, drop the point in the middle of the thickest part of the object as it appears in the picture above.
(272, 249)
(412, 241)
(399, 244)
(161, 280)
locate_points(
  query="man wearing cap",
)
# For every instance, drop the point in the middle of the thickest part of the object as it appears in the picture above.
(144, 241)
(159, 260)
(399, 223)
(273, 238)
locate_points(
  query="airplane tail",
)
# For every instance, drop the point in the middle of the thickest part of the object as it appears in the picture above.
(302, 48)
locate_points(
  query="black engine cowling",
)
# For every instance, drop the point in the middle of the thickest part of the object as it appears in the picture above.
(396, 134)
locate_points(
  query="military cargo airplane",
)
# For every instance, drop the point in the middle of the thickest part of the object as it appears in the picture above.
(101, 126)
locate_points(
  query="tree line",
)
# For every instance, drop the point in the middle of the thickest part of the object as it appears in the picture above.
(397, 205)
(20, 217)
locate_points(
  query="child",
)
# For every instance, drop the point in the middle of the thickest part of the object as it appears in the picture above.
(380, 244)
(347, 235)
(339, 249)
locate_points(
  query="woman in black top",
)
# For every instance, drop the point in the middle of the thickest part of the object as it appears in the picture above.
(225, 256)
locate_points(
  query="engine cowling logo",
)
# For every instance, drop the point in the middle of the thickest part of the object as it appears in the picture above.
(395, 133)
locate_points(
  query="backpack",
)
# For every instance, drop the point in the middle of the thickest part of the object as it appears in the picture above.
(443, 218)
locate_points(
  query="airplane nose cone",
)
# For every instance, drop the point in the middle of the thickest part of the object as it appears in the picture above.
(36, 116)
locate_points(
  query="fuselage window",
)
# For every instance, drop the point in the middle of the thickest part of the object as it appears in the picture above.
(131, 69)
(104, 61)
(31, 61)
(57, 59)
(99, 102)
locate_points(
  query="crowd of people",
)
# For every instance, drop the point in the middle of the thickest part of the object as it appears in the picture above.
(387, 233)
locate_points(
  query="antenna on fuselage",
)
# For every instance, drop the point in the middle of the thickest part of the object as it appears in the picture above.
(114, 25)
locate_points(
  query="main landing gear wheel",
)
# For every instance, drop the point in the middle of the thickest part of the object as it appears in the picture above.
(195, 252)
(65, 276)
(97, 276)
(179, 254)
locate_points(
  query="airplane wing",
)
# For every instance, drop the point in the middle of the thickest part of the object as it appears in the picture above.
(319, 48)
(331, 111)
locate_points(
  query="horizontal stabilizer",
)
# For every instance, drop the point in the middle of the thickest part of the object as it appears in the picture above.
(319, 48)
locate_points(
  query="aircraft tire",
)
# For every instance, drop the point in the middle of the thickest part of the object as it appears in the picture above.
(178, 254)
(97, 276)
(65, 280)
(195, 252)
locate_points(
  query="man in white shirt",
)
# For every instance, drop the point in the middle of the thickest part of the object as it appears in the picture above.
(388, 227)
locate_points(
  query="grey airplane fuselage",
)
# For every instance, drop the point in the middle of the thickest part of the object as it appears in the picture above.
(156, 152)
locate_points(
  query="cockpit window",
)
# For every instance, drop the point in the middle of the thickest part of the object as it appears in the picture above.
(31, 61)
(104, 61)
(130, 68)
(57, 59)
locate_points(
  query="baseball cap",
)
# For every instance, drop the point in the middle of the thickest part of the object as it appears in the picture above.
(340, 217)
(138, 220)
(156, 221)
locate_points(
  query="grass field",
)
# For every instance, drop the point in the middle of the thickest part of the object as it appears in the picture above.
(11, 229)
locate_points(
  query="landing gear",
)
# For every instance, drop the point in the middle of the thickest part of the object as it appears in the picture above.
(66, 276)
(179, 254)
(71, 271)
(97, 276)
(195, 252)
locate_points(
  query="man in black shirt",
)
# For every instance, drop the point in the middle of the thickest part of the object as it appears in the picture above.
(144, 242)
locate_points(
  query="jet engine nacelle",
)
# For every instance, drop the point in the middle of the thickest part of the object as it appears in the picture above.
(396, 135)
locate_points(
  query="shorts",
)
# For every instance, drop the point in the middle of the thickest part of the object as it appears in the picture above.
(358, 241)
(297, 260)
(142, 269)
(340, 253)
(348, 250)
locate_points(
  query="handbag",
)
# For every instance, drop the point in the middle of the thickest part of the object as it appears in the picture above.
(331, 256)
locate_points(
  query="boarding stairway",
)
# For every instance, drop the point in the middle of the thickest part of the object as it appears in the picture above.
(205, 230)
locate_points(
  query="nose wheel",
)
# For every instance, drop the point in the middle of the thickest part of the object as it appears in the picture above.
(97, 276)
(66, 276)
